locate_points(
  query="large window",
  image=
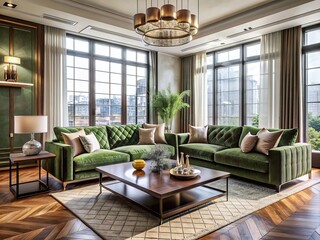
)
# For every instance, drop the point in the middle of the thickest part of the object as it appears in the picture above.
(311, 53)
(107, 84)
(233, 77)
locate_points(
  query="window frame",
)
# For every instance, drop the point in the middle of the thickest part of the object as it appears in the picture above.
(242, 80)
(307, 49)
(92, 81)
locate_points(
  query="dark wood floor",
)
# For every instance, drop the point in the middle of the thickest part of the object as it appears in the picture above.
(41, 217)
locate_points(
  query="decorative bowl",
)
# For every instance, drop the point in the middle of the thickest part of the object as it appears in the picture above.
(138, 164)
(195, 173)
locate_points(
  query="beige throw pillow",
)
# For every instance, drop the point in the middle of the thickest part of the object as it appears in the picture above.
(90, 142)
(74, 140)
(248, 143)
(267, 140)
(159, 133)
(198, 134)
(146, 136)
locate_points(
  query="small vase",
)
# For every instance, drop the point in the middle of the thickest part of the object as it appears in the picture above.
(178, 163)
(182, 159)
(168, 126)
(187, 161)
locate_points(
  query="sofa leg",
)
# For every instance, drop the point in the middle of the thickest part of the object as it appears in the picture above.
(64, 184)
(310, 175)
(278, 188)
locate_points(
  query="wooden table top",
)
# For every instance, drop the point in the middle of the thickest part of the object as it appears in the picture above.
(158, 184)
(20, 157)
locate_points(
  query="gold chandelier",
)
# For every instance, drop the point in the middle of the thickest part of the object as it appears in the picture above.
(165, 27)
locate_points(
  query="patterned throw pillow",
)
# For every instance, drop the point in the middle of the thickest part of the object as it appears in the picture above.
(90, 142)
(248, 143)
(146, 136)
(74, 140)
(198, 134)
(159, 133)
(267, 140)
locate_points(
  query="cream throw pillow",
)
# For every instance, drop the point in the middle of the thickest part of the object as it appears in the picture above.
(90, 142)
(159, 133)
(74, 140)
(198, 134)
(146, 136)
(248, 143)
(267, 140)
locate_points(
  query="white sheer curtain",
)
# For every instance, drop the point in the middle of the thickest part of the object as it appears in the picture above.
(200, 90)
(54, 75)
(270, 56)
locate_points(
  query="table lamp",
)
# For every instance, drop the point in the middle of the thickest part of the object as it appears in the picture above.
(32, 125)
(10, 71)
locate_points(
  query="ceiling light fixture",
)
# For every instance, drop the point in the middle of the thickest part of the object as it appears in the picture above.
(165, 27)
(10, 5)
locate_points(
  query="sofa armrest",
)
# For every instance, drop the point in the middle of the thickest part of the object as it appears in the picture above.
(62, 166)
(289, 162)
(183, 138)
(171, 139)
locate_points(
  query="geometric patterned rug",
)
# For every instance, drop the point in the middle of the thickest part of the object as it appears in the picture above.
(112, 217)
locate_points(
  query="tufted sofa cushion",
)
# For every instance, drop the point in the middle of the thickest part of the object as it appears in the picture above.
(99, 131)
(123, 135)
(227, 136)
(236, 158)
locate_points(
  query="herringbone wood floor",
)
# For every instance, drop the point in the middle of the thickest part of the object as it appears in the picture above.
(41, 217)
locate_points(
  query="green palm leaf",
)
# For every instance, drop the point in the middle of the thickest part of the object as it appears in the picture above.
(167, 104)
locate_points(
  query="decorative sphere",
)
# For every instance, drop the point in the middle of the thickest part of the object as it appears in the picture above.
(138, 164)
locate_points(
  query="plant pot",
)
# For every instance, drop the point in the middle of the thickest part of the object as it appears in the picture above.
(168, 126)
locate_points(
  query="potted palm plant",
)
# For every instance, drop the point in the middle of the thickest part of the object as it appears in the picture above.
(168, 104)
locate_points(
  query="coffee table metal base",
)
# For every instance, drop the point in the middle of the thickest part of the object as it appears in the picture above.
(168, 206)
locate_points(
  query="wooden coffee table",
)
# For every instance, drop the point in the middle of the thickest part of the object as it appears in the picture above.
(160, 193)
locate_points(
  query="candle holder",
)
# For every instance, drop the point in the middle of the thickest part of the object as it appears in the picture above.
(10, 71)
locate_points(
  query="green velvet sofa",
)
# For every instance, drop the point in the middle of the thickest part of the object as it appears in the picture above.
(118, 144)
(287, 161)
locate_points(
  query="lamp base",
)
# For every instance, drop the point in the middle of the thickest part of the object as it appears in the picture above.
(31, 148)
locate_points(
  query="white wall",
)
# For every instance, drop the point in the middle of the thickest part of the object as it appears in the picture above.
(169, 72)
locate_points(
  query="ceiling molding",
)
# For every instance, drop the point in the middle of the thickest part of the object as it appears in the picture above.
(93, 29)
(95, 9)
(199, 45)
(250, 15)
(275, 23)
(59, 19)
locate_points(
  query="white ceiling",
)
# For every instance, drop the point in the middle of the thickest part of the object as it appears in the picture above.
(222, 22)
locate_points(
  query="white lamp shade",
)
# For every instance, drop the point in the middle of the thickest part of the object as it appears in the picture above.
(11, 59)
(30, 124)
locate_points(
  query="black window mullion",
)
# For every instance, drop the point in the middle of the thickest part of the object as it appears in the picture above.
(242, 86)
(92, 91)
(214, 90)
(124, 89)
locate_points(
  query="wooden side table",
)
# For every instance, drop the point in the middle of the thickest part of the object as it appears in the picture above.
(33, 187)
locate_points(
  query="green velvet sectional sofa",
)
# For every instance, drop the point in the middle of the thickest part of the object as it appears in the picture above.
(117, 144)
(287, 161)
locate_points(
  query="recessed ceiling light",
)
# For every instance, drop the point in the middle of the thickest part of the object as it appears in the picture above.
(10, 5)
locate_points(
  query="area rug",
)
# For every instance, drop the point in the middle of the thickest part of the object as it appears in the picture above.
(114, 218)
